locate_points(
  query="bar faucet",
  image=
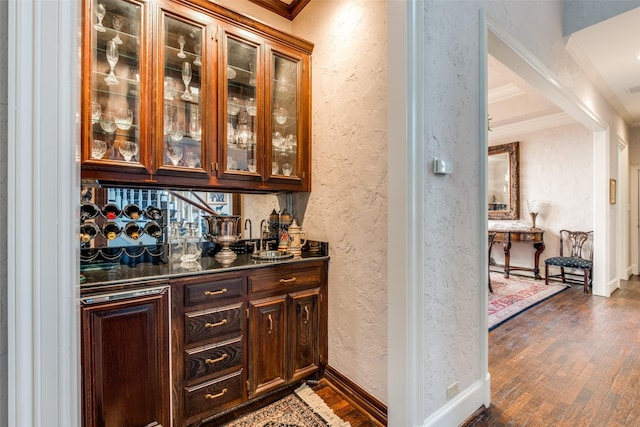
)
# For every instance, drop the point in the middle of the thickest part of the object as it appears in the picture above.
(262, 224)
(245, 227)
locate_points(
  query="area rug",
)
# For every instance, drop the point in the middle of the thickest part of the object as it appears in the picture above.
(304, 408)
(515, 295)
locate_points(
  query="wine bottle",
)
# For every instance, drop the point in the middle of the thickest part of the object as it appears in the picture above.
(153, 229)
(88, 231)
(111, 230)
(132, 230)
(111, 211)
(132, 211)
(88, 211)
(153, 213)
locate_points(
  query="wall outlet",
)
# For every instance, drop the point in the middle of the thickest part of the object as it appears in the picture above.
(452, 390)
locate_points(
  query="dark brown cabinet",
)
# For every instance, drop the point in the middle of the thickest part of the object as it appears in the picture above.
(238, 336)
(190, 94)
(125, 363)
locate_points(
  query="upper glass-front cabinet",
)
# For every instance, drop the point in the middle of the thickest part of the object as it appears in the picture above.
(182, 92)
(113, 115)
(243, 111)
(284, 117)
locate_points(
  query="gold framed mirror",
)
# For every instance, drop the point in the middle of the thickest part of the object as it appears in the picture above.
(503, 185)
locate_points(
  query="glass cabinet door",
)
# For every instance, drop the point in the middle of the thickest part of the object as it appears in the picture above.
(242, 153)
(285, 116)
(115, 135)
(182, 94)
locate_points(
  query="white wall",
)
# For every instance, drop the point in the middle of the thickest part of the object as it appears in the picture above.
(555, 166)
(3, 212)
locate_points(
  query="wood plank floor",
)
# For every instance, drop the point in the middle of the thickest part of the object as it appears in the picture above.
(573, 360)
(342, 407)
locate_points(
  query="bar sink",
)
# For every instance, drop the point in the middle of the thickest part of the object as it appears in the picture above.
(271, 255)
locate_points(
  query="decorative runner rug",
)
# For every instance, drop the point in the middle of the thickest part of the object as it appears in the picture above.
(304, 408)
(515, 295)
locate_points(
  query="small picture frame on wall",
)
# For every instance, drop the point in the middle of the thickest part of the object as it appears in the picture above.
(217, 198)
(612, 191)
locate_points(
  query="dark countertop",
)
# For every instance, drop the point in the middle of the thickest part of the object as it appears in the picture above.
(117, 277)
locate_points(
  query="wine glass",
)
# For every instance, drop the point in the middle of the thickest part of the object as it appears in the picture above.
(251, 107)
(98, 148)
(280, 115)
(128, 149)
(186, 78)
(197, 61)
(117, 25)
(192, 159)
(287, 169)
(96, 111)
(177, 132)
(112, 59)
(195, 130)
(168, 118)
(174, 152)
(123, 118)
(169, 89)
(233, 108)
(107, 122)
(100, 12)
(181, 41)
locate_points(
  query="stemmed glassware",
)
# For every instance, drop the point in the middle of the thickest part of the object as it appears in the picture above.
(280, 115)
(233, 108)
(177, 132)
(195, 129)
(174, 152)
(186, 78)
(100, 12)
(192, 159)
(98, 148)
(107, 122)
(197, 61)
(96, 112)
(112, 59)
(169, 89)
(181, 41)
(128, 149)
(123, 118)
(117, 25)
(168, 118)
(251, 107)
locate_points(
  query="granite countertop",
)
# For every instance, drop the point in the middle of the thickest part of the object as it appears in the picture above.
(114, 277)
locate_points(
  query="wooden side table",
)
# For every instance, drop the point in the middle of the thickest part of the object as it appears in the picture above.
(534, 236)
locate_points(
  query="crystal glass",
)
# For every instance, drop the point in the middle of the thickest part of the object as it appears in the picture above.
(251, 107)
(169, 89)
(100, 12)
(287, 169)
(98, 148)
(274, 168)
(177, 132)
(174, 152)
(117, 26)
(168, 118)
(128, 149)
(231, 73)
(195, 129)
(197, 61)
(280, 114)
(192, 159)
(233, 108)
(251, 165)
(96, 112)
(186, 78)
(181, 41)
(112, 58)
(107, 122)
(123, 118)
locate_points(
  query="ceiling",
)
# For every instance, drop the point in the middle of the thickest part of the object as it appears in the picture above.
(607, 52)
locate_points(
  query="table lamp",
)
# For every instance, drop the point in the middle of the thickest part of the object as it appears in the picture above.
(534, 207)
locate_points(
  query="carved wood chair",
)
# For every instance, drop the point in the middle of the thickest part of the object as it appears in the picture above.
(491, 237)
(579, 257)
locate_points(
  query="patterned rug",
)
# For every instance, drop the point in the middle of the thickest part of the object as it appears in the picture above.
(515, 295)
(304, 408)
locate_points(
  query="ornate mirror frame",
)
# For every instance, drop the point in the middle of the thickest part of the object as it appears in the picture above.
(513, 210)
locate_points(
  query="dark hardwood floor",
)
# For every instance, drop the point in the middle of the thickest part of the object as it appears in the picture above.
(573, 360)
(342, 407)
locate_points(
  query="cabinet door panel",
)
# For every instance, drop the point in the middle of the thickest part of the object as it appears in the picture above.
(114, 120)
(304, 323)
(267, 333)
(125, 362)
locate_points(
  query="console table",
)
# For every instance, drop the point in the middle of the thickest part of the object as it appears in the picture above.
(532, 236)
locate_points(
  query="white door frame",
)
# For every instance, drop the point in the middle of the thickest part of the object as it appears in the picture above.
(623, 208)
(634, 220)
(508, 50)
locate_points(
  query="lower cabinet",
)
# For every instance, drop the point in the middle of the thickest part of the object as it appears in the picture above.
(125, 359)
(238, 336)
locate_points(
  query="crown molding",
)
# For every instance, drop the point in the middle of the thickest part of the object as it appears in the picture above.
(531, 125)
(504, 92)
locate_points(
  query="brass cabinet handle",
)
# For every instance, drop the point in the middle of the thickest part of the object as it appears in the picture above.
(221, 291)
(213, 325)
(215, 396)
(270, 319)
(306, 314)
(216, 360)
(285, 281)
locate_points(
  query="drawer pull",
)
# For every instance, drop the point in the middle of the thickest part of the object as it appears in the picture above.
(209, 293)
(216, 360)
(270, 319)
(285, 281)
(306, 314)
(215, 396)
(213, 325)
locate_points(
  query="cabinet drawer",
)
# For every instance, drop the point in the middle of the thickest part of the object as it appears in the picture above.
(211, 291)
(203, 361)
(214, 323)
(285, 278)
(214, 395)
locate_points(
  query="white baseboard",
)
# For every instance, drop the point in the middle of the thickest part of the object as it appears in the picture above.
(612, 286)
(460, 408)
(633, 269)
